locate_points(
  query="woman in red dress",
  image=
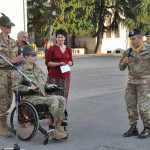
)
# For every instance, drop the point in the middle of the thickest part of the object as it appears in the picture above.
(57, 56)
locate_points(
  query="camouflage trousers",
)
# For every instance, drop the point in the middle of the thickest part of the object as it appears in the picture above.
(137, 95)
(55, 103)
(6, 93)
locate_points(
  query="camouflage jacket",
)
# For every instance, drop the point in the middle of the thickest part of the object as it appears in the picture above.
(7, 49)
(138, 65)
(147, 42)
(35, 74)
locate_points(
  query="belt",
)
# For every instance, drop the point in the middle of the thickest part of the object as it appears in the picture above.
(6, 68)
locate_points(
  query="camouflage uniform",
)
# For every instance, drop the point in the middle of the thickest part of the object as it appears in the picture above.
(9, 50)
(147, 42)
(56, 103)
(137, 90)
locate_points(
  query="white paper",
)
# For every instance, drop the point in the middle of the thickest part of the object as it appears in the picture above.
(65, 68)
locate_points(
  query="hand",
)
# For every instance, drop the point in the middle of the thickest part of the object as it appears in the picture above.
(61, 63)
(125, 60)
(51, 86)
(70, 63)
(18, 59)
(32, 87)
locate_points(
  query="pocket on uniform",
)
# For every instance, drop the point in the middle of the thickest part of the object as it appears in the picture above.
(145, 61)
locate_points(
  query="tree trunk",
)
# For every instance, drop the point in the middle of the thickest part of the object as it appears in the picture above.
(39, 42)
(100, 28)
(99, 42)
(73, 41)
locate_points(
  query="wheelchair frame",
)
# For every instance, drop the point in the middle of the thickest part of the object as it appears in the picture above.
(30, 119)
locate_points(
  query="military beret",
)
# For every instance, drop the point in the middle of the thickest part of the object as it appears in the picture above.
(28, 50)
(5, 21)
(135, 32)
(147, 33)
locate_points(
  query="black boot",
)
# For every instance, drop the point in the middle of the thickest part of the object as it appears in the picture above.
(133, 131)
(145, 133)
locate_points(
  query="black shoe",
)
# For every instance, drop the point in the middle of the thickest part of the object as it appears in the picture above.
(133, 131)
(145, 133)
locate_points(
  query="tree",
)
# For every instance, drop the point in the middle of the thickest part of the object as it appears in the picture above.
(74, 16)
(137, 14)
(37, 23)
(107, 16)
(130, 13)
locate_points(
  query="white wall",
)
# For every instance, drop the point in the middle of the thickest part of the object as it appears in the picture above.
(16, 10)
(108, 44)
(112, 44)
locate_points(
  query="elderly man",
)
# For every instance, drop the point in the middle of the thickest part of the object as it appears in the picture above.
(56, 103)
(22, 36)
(8, 48)
(137, 92)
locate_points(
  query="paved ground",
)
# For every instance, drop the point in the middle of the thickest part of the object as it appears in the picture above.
(97, 112)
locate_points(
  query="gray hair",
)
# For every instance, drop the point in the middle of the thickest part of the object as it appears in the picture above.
(21, 32)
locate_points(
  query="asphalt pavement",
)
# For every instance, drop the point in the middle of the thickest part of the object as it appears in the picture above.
(96, 107)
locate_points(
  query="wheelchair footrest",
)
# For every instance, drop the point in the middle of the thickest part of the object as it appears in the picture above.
(64, 124)
(51, 127)
(51, 130)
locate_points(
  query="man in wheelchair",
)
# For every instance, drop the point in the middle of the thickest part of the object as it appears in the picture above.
(55, 103)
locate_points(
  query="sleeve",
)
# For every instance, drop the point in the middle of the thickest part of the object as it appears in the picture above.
(20, 80)
(13, 49)
(121, 65)
(49, 55)
(70, 54)
(3, 63)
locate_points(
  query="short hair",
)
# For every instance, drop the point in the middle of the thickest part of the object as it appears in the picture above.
(60, 31)
(21, 32)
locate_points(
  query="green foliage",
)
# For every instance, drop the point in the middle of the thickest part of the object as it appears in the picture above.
(137, 15)
(79, 17)
(74, 16)
(36, 22)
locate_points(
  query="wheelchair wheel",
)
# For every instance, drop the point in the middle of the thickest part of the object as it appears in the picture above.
(46, 121)
(27, 121)
(46, 125)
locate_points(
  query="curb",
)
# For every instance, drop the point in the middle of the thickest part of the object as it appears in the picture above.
(42, 55)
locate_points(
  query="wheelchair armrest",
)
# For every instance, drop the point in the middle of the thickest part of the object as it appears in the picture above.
(58, 88)
(29, 92)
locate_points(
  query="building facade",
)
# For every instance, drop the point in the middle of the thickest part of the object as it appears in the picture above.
(112, 42)
(16, 10)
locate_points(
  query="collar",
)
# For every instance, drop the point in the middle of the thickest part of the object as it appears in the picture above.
(2, 39)
(139, 48)
(27, 67)
(21, 47)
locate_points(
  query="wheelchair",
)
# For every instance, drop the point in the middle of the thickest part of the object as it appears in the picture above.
(32, 118)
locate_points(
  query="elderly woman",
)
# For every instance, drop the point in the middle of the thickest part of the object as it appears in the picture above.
(59, 55)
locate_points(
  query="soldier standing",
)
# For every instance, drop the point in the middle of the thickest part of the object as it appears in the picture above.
(9, 49)
(137, 59)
